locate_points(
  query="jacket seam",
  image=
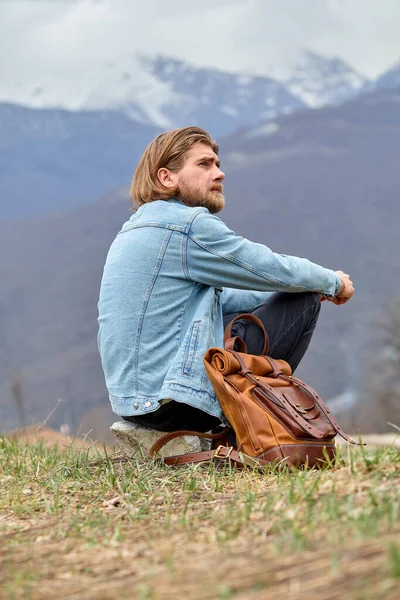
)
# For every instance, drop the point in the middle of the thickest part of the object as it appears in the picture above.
(135, 397)
(150, 287)
(157, 225)
(195, 214)
(185, 267)
(190, 349)
(182, 333)
(179, 383)
(247, 267)
(181, 228)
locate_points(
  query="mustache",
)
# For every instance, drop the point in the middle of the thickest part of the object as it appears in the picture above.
(218, 187)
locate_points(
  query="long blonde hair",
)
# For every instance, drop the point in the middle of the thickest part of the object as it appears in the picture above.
(165, 151)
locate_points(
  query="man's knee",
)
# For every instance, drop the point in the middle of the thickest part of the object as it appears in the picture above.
(315, 299)
(303, 300)
(305, 303)
(313, 302)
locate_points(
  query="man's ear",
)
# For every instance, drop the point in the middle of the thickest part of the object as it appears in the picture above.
(166, 178)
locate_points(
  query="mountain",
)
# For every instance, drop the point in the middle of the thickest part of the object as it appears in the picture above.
(319, 80)
(167, 92)
(49, 283)
(69, 157)
(322, 184)
(387, 81)
(54, 159)
(220, 102)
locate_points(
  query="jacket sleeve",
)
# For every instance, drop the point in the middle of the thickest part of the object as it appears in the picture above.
(215, 255)
(235, 301)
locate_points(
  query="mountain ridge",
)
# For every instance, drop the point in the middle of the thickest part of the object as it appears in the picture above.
(148, 88)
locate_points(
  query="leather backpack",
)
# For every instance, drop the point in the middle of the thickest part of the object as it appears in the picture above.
(277, 418)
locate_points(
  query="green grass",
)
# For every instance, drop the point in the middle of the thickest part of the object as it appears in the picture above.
(82, 526)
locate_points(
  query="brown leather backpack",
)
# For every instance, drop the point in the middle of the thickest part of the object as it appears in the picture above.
(276, 417)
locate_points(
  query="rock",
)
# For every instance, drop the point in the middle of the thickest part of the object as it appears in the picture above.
(132, 438)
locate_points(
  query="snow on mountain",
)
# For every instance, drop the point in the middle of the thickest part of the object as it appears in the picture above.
(168, 92)
(164, 92)
(124, 87)
(319, 80)
(387, 81)
(215, 99)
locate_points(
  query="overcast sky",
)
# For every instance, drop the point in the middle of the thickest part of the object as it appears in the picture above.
(54, 36)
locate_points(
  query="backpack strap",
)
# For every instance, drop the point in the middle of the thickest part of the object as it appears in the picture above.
(307, 426)
(236, 343)
(221, 453)
(248, 317)
(322, 406)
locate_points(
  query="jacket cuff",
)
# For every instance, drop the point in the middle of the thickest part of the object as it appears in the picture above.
(339, 285)
(335, 290)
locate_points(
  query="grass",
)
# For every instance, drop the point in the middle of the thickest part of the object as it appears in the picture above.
(74, 525)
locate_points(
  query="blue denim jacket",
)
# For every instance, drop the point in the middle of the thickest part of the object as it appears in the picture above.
(170, 275)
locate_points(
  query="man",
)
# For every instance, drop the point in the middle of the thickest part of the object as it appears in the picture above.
(176, 274)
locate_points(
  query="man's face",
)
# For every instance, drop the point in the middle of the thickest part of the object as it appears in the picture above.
(200, 179)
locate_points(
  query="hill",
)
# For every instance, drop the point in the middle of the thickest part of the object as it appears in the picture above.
(52, 159)
(321, 184)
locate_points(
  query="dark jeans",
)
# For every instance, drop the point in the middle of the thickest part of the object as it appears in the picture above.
(289, 319)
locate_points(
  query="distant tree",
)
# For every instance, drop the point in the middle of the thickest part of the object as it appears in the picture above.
(96, 424)
(384, 384)
(18, 396)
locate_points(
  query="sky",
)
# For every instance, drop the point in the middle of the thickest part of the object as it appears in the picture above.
(60, 38)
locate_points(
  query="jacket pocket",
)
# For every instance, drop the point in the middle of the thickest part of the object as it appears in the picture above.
(191, 347)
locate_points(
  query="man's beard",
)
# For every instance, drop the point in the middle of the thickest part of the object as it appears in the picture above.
(191, 196)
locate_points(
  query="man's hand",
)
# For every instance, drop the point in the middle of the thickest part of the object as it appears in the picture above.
(345, 293)
(347, 290)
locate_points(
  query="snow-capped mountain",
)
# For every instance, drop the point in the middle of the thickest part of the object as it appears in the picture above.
(388, 80)
(215, 99)
(166, 92)
(125, 87)
(319, 80)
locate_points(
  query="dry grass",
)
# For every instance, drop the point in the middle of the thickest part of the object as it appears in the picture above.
(49, 437)
(76, 527)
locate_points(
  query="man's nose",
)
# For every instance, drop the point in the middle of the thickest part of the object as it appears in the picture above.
(219, 175)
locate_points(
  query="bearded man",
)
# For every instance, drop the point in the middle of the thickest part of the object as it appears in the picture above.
(176, 275)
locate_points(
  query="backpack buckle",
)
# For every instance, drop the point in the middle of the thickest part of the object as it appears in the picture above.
(223, 452)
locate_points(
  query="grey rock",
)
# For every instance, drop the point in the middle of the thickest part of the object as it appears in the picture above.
(134, 439)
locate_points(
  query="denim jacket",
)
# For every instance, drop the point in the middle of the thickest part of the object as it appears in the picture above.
(170, 275)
